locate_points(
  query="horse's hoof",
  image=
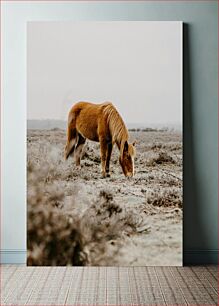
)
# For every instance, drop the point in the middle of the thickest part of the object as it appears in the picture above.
(78, 167)
(104, 175)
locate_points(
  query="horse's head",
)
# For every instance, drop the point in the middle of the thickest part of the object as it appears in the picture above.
(127, 159)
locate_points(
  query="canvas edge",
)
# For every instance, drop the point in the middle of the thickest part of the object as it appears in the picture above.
(190, 257)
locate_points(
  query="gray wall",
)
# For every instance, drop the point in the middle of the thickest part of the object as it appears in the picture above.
(200, 112)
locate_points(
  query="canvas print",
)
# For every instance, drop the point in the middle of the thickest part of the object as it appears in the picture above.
(104, 143)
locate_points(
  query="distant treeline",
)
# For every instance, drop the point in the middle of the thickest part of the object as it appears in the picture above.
(49, 124)
(148, 130)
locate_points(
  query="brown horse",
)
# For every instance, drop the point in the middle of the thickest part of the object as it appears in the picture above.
(101, 123)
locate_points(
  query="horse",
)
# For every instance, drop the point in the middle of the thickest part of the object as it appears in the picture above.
(101, 123)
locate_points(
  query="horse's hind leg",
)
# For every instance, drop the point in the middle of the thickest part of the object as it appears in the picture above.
(78, 149)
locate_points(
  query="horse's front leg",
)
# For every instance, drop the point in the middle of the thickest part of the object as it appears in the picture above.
(108, 156)
(103, 153)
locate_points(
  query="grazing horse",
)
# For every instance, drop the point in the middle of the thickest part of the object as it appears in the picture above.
(101, 123)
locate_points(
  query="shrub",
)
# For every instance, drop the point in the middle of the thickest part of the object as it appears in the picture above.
(56, 237)
(160, 158)
(165, 197)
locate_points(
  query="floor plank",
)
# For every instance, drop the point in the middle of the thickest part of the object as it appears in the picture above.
(79, 286)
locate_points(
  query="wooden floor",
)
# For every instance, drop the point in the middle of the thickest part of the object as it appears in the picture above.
(109, 286)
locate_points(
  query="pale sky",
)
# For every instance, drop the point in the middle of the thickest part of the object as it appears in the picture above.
(135, 65)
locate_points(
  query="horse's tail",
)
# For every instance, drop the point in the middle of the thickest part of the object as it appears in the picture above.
(72, 135)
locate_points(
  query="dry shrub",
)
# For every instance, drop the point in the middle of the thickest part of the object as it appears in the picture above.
(172, 146)
(103, 225)
(92, 153)
(161, 158)
(165, 197)
(56, 237)
(156, 146)
(92, 157)
(52, 239)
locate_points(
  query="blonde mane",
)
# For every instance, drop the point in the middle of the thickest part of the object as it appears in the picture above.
(116, 125)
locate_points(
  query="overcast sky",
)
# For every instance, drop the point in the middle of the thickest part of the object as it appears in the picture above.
(136, 65)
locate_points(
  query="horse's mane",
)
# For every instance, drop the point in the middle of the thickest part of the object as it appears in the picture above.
(117, 126)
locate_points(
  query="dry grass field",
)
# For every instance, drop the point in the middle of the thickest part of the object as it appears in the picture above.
(77, 218)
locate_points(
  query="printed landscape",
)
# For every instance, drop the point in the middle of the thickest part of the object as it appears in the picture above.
(75, 217)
